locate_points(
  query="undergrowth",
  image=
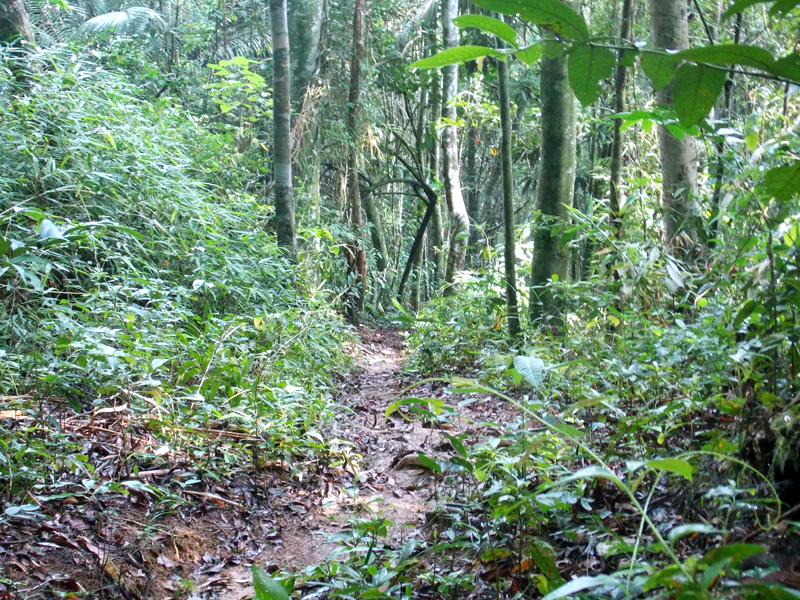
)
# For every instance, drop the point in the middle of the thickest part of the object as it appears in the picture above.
(131, 276)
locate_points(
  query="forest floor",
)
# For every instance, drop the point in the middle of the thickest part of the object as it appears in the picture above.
(107, 544)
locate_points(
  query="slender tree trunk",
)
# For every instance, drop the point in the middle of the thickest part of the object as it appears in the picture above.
(357, 258)
(620, 91)
(437, 225)
(670, 28)
(376, 232)
(452, 176)
(473, 198)
(14, 22)
(419, 237)
(282, 130)
(719, 174)
(554, 190)
(509, 226)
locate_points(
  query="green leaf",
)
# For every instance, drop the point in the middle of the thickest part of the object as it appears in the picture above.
(783, 6)
(530, 54)
(586, 68)
(730, 54)
(591, 473)
(5, 246)
(581, 583)
(695, 92)
(429, 463)
(672, 465)
(267, 588)
(531, 368)
(739, 6)
(489, 25)
(544, 556)
(745, 312)
(787, 67)
(453, 56)
(735, 552)
(569, 430)
(783, 182)
(553, 14)
(458, 446)
(659, 68)
(677, 533)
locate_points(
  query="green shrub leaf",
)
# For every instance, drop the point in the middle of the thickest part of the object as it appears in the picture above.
(531, 368)
(554, 14)
(453, 56)
(695, 93)
(267, 588)
(586, 68)
(730, 54)
(489, 25)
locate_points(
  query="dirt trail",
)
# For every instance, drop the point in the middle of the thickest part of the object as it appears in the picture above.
(277, 518)
(377, 445)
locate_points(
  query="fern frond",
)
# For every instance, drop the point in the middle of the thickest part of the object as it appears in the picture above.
(133, 21)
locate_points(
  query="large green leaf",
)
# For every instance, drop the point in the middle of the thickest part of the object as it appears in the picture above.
(489, 25)
(659, 68)
(787, 67)
(452, 56)
(531, 368)
(783, 6)
(695, 93)
(586, 68)
(672, 465)
(554, 14)
(783, 182)
(267, 588)
(730, 54)
(740, 5)
(530, 54)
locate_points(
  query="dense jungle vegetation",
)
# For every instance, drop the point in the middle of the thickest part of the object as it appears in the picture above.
(584, 213)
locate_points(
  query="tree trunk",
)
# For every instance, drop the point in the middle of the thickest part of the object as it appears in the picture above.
(14, 22)
(305, 27)
(554, 190)
(620, 90)
(670, 28)
(376, 232)
(282, 130)
(452, 178)
(473, 199)
(437, 225)
(509, 227)
(419, 237)
(719, 174)
(356, 257)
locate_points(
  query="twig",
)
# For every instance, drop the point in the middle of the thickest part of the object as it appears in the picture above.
(216, 498)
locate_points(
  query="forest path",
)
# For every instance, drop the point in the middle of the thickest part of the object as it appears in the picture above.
(379, 476)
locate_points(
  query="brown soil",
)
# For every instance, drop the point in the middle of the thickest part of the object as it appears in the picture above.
(135, 547)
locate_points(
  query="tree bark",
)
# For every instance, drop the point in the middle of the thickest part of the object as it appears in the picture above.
(416, 246)
(305, 27)
(473, 198)
(452, 177)
(554, 190)
(376, 232)
(670, 29)
(437, 225)
(509, 226)
(356, 257)
(620, 91)
(14, 22)
(282, 130)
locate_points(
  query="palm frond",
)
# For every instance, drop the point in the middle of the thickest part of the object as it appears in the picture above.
(130, 21)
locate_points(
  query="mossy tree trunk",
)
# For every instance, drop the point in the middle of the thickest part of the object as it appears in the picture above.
(356, 256)
(459, 233)
(670, 29)
(282, 129)
(554, 191)
(305, 33)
